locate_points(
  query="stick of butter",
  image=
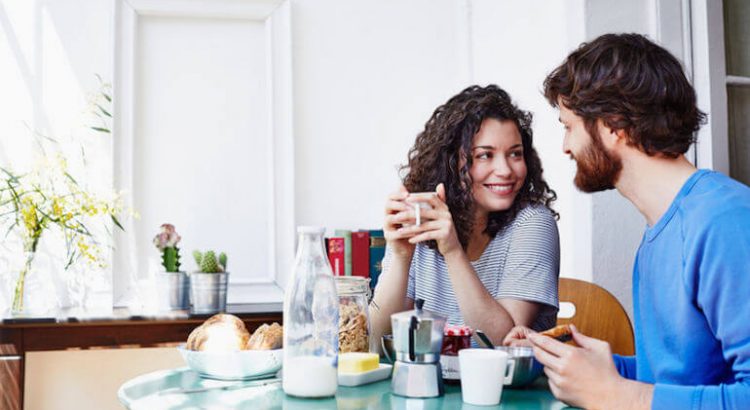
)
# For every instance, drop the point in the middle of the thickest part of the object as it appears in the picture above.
(357, 362)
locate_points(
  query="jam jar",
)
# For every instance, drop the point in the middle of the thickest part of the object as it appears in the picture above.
(455, 338)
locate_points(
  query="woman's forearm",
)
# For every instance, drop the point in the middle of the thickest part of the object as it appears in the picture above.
(479, 309)
(390, 296)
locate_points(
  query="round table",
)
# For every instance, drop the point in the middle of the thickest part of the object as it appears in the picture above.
(184, 389)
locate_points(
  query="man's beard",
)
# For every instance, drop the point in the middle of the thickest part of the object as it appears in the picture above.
(598, 170)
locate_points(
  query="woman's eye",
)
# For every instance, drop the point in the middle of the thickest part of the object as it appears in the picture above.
(516, 154)
(483, 155)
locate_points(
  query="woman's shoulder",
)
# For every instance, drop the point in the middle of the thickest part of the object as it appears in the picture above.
(534, 213)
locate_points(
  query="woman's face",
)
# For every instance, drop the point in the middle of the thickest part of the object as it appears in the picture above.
(498, 170)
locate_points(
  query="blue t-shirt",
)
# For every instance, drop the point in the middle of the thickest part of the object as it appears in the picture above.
(691, 296)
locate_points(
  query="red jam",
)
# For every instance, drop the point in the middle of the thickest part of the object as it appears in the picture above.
(455, 338)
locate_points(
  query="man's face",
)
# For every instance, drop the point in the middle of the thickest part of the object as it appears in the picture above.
(597, 168)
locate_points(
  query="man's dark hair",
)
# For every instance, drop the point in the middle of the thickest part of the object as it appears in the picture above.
(631, 84)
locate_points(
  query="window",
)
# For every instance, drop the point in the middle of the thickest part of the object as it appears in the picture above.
(737, 49)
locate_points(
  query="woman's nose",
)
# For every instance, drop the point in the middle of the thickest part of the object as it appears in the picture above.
(502, 168)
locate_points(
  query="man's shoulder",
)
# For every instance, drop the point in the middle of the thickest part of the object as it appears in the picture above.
(716, 200)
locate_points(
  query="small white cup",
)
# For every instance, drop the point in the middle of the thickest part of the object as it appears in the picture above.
(483, 374)
(418, 206)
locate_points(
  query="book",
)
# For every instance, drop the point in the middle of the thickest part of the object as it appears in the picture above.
(347, 235)
(335, 251)
(361, 254)
(377, 252)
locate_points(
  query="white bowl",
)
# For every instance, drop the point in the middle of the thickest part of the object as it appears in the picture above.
(241, 365)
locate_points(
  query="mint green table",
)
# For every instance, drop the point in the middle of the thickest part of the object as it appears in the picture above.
(165, 390)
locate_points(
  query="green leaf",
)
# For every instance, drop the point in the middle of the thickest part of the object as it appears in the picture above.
(100, 129)
(70, 177)
(105, 112)
(114, 219)
(13, 225)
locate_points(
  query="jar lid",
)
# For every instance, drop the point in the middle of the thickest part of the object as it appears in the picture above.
(456, 330)
(351, 285)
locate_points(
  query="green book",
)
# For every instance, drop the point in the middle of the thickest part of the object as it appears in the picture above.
(347, 235)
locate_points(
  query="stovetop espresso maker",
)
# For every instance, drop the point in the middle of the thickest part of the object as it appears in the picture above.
(417, 340)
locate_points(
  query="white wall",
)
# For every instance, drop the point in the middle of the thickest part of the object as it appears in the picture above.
(381, 87)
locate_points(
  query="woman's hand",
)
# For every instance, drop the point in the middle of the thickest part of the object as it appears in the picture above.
(436, 224)
(397, 213)
(518, 336)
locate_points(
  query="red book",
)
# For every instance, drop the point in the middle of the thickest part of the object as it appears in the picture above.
(361, 254)
(336, 255)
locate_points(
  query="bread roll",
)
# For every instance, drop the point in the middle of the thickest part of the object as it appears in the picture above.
(220, 333)
(562, 333)
(266, 337)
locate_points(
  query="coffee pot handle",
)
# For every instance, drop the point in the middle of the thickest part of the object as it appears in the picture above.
(413, 325)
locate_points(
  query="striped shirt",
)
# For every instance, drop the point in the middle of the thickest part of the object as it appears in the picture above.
(521, 262)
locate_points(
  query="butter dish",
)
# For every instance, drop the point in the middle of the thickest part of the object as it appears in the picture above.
(371, 376)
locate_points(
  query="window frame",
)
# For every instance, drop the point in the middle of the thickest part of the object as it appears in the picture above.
(276, 15)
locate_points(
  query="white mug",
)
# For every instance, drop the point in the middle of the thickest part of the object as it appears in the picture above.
(483, 374)
(418, 206)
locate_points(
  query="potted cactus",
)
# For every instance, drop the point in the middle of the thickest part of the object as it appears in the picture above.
(172, 284)
(208, 285)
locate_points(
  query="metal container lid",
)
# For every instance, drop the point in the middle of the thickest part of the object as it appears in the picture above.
(422, 315)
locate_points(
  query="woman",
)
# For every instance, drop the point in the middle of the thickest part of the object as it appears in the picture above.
(486, 251)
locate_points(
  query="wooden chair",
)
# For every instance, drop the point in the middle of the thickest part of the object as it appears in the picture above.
(597, 314)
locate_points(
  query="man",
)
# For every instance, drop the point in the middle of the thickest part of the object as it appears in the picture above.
(630, 115)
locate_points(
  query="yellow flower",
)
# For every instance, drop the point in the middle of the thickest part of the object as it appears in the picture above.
(29, 216)
(57, 207)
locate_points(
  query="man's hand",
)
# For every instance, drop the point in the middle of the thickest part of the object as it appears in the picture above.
(586, 376)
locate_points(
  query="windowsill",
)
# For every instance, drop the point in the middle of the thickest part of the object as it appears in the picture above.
(74, 316)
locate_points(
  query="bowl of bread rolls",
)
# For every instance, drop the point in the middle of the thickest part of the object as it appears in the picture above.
(222, 348)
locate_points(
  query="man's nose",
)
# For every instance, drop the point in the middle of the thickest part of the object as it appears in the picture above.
(566, 146)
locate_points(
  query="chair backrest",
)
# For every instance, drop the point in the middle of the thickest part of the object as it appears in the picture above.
(597, 314)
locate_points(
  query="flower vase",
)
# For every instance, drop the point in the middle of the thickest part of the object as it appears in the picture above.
(33, 291)
(17, 307)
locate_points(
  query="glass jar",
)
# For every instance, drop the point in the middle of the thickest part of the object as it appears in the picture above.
(311, 316)
(455, 338)
(354, 317)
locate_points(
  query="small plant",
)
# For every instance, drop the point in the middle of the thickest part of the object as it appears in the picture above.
(166, 241)
(208, 262)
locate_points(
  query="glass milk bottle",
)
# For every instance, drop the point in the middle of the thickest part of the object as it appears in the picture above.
(311, 317)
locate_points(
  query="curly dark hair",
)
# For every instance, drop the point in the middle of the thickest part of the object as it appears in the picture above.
(631, 84)
(442, 153)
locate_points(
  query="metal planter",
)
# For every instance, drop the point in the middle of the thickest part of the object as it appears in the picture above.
(208, 292)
